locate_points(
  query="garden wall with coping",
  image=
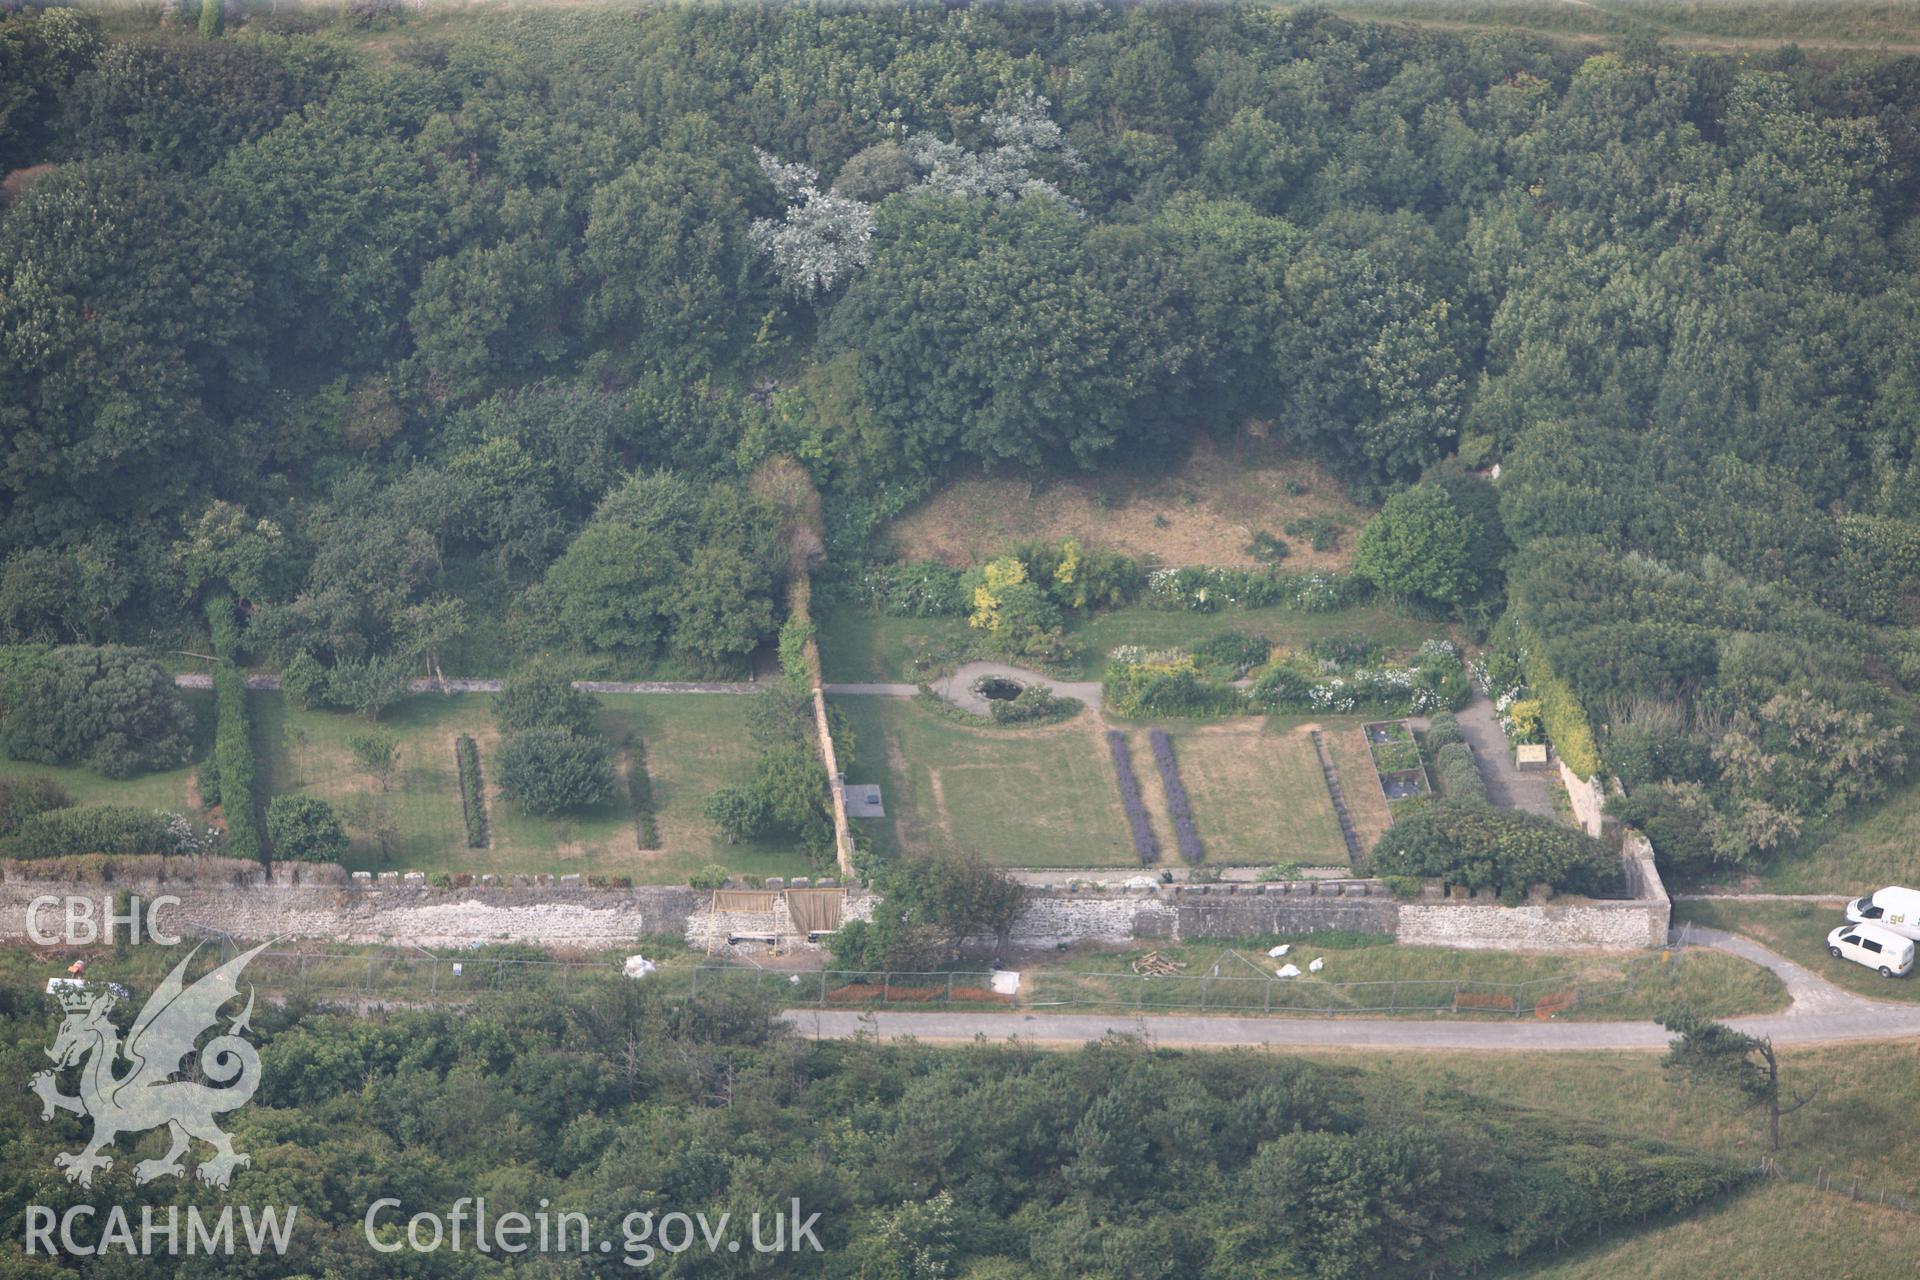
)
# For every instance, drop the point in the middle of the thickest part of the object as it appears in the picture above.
(325, 903)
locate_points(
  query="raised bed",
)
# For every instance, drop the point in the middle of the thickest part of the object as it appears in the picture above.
(1397, 765)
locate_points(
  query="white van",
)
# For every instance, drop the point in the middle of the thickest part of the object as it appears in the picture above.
(1893, 908)
(1870, 945)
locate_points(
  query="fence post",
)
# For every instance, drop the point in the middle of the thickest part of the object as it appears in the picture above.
(369, 975)
(949, 986)
(1203, 993)
(1269, 995)
(886, 988)
(1393, 998)
(823, 988)
(1140, 992)
(433, 979)
(1576, 993)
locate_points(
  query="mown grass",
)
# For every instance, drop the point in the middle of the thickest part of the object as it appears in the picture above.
(696, 743)
(1798, 931)
(1256, 789)
(1043, 797)
(1230, 976)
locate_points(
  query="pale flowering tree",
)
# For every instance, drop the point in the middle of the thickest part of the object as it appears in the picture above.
(823, 238)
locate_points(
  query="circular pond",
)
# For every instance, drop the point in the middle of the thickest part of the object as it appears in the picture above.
(998, 689)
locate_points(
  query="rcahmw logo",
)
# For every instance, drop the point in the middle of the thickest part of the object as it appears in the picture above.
(149, 1094)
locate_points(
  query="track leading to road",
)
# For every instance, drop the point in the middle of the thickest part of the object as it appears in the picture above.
(1819, 1012)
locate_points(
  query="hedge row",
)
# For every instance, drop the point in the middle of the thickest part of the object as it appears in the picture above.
(646, 828)
(1145, 843)
(1562, 716)
(232, 743)
(23, 797)
(94, 828)
(1443, 730)
(1177, 805)
(473, 804)
(1460, 776)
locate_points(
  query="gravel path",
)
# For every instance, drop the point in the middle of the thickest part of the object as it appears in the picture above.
(957, 687)
(1820, 1012)
(1507, 785)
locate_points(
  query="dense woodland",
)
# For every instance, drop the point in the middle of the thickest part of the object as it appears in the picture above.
(991, 1164)
(439, 342)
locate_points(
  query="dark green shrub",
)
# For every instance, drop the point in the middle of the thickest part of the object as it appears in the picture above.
(711, 876)
(1443, 730)
(473, 801)
(543, 700)
(111, 709)
(550, 771)
(23, 797)
(305, 829)
(232, 742)
(1460, 777)
(646, 826)
(96, 828)
(1481, 847)
(1282, 689)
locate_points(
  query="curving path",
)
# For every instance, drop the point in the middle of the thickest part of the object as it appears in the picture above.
(1819, 1012)
(957, 687)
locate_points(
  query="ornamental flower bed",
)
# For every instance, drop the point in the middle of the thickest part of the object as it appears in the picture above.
(1177, 806)
(1145, 843)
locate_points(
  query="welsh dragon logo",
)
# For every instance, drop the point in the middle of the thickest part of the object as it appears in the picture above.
(149, 1095)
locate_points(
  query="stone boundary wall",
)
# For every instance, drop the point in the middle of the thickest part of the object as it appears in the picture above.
(1588, 796)
(323, 903)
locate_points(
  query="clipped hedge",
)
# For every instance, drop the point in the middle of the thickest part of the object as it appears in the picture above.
(1562, 716)
(232, 743)
(1145, 843)
(1460, 776)
(1443, 730)
(646, 827)
(94, 828)
(1178, 807)
(473, 804)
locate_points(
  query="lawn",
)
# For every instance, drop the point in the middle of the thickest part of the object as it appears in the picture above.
(694, 744)
(171, 789)
(1359, 784)
(1798, 931)
(858, 646)
(1042, 797)
(1256, 788)
(1417, 979)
